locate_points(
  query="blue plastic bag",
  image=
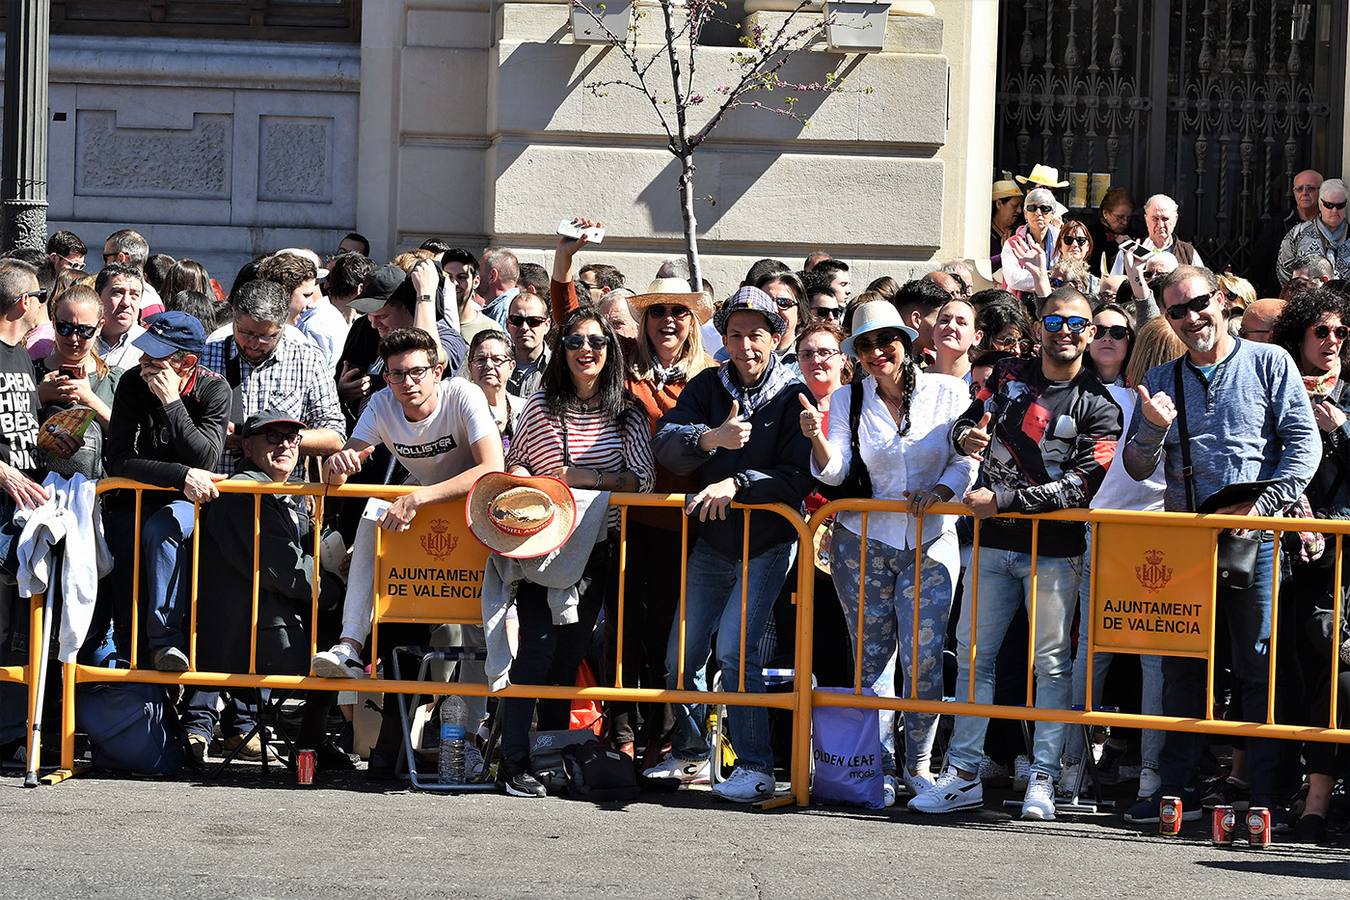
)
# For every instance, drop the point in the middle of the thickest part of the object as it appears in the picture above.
(846, 748)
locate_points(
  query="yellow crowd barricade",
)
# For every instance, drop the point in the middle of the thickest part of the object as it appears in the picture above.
(432, 574)
(399, 598)
(1171, 556)
(27, 674)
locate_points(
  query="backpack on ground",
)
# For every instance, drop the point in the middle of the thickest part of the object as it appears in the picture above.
(133, 728)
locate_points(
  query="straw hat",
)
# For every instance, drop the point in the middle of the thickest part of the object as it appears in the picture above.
(874, 316)
(1006, 189)
(518, 516)
(673, 290)
(1046, 176)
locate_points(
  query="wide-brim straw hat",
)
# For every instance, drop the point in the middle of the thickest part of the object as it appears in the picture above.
(1045, 176)
(673, 291)
(876, 315)
(521, 517)
(1006, 189)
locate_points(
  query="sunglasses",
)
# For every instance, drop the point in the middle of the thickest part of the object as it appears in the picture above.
(785, 302)
(870, 342)
(1328, 205)
(278, 438)
(1322, 332)
(1040, 209)
(830, 312)
(1079, 239)
(521, 321)
(575, 342)
(674, 311)
(66, 329)
(1055, 323)
(1114, 332)
(1195, 304)
(398, 376)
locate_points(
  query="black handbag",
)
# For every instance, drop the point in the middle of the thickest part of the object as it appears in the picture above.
(1237, 552)
(857, 483)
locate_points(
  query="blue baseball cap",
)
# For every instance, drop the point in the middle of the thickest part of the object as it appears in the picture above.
(168, 332)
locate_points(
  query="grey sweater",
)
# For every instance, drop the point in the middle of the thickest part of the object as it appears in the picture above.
(1251, 422)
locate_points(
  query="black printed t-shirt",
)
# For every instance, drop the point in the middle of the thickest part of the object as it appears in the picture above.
(18, 410)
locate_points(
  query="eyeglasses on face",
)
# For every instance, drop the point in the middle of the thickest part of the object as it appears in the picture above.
(823, 354)
(1195, 304)
(521, 321)
(279, 438)
(76, 264)
(241, 334)
(575, 342)
(785, 302)
(398, 376)
(40, 295)
(1039, 208)
(1054, 323)
(66, 329)
(1322, 332)
(674, 311)
(1080, 240)
(1327, 204)
(829, 312)
(1306, 188)
(1114, 332)
(496, 362)
(1012, 345)
(868, 343)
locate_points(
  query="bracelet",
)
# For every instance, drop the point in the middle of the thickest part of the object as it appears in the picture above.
(597, 478)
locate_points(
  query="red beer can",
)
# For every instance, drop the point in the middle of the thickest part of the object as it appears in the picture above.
(304, 767)
(1221, 826)
(1169, 816)
(1258, 827)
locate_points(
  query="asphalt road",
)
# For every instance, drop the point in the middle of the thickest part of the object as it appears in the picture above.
(250, 837)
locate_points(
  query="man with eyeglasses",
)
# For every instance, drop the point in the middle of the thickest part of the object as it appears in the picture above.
(1272, 229)
(66, 251)
(1045, 429)
(119, 286)
(268, 368)
(1323, 236)
(527, 324)
(1160, 217)
(1249, 422)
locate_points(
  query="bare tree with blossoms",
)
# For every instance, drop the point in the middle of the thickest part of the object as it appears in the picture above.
(758, 85)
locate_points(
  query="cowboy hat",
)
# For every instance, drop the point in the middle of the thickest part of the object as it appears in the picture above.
(520, 517)
(673, 291)
(1005, 189)
(1046, 176)
(874, 316)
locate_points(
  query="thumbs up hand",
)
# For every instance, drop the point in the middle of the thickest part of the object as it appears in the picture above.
(976, 439)
(733, 434)
(1158, 409)
(812, 419)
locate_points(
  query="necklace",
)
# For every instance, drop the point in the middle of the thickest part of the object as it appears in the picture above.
(897, 413)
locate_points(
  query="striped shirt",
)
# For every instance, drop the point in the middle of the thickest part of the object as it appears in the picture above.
(594, 441)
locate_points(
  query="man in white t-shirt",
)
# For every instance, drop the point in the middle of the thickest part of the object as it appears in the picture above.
(443, 433)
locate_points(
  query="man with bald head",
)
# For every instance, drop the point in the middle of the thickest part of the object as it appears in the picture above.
(1266, 249)
(1258, 322)
(1160, 216)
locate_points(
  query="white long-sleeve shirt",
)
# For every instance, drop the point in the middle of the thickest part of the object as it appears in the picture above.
(916, 462)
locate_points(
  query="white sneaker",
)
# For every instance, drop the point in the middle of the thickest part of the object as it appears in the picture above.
(918, 783)
(950, 793)
(340, 661)
(1039, 802)
(890, 791)
(1021, 773)
(695, 772)
(745, 786)
(1150, 782)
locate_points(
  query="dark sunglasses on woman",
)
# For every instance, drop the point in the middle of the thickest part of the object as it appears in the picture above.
(1114, 332)
(66, 329)
(575, 342)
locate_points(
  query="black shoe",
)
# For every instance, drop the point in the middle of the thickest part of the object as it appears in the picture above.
(1311, 829)
(329, 757)
(516, 781)
(381, 767)
(1146, 811)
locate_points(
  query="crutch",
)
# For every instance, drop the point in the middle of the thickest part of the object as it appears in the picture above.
(30, 778)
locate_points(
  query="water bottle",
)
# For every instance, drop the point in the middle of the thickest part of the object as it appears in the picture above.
(451, 759)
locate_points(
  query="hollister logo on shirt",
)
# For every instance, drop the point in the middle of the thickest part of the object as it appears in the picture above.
(425, 451)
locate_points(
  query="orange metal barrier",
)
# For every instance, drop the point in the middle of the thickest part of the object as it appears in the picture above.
(28, 674)
(83, 674)
(1212, 524)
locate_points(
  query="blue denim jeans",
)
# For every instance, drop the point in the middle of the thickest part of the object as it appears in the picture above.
(713, 604)
(1247, 613)
(888, 624)
(1005, 584)
(1150, 701)
(166, 560)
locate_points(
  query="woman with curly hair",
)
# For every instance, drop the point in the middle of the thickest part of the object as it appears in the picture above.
(904, 437)
(1313, 329)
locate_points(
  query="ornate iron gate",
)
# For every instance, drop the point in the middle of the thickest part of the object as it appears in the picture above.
(1217, 103)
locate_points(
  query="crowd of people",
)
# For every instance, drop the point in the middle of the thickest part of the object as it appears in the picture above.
(1101, 366)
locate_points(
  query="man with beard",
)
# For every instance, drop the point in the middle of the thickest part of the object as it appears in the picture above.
(1248, 419)
(1046, 429)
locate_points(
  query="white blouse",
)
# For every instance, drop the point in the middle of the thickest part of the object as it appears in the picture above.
(917, 462)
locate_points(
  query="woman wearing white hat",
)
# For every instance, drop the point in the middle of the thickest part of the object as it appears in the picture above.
(1041, 230)
(660, 361)
(904, 438)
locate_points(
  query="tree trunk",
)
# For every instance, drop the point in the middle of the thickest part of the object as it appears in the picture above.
(690, 221)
